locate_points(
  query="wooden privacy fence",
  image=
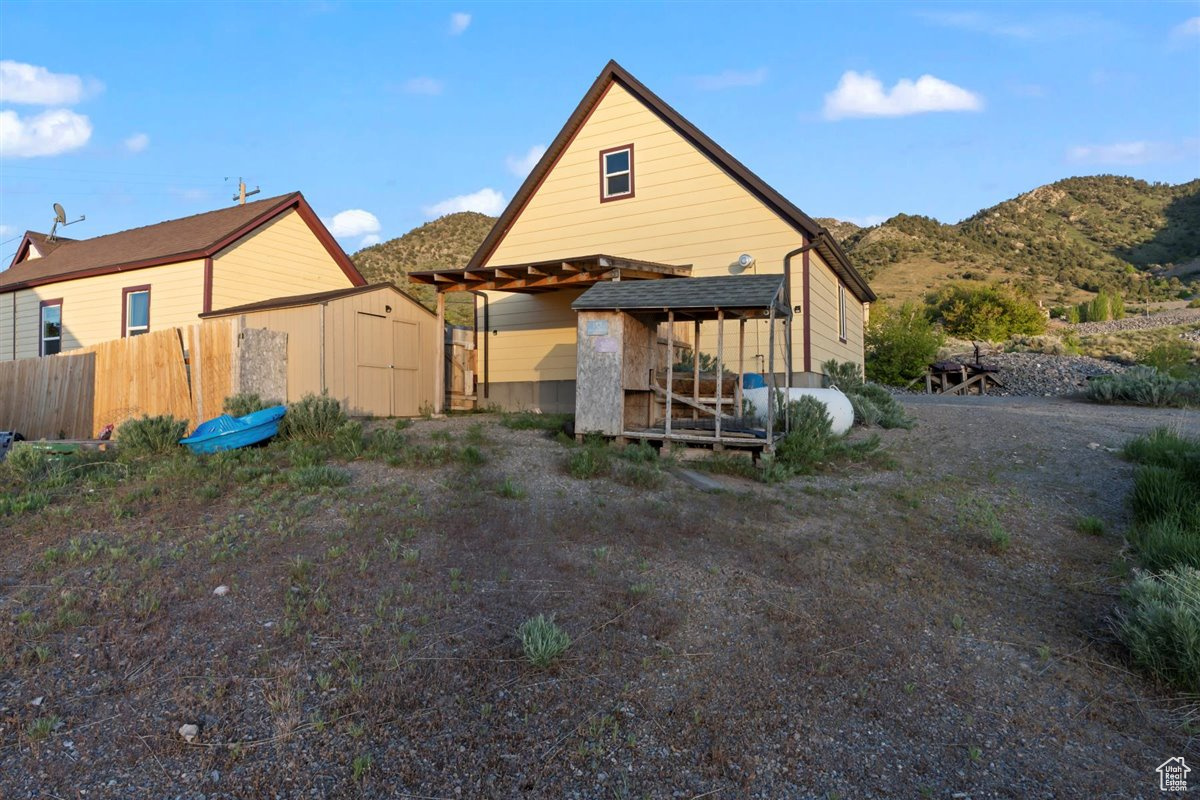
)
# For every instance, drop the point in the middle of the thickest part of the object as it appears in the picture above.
(184, 372)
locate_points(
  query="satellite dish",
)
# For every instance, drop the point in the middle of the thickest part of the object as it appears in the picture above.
(60, 216)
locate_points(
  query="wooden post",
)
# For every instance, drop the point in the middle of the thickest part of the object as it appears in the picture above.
(439, 375)
(696, 368)
(670, 368)
(771, 374)
(720, 366)
(737, 387)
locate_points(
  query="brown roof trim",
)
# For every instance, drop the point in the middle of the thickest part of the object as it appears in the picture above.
(295, 200)
(313, 298)
(615, 73)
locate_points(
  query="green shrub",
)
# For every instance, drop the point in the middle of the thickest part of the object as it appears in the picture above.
(314, 418)
(542, 640)
(1143, 386)
(1093, 526)
(1164, 448)
(528, 420)
(985, 312)
(1195, 303)
(150, 436)
(1166, 542)
(239, 405)
(589, 461)
(21, 503)
(807, 442)
(900, 343)
(1072, 315)
(846, 376)
(865, 411)
(638, 474)
(1161, 492)
(348, 441)
(873, 404)
(386, 442)
(1160, 624)
(1174, 358)
(472, 456)
(317, 476)
(1101, 308)
(28, 465)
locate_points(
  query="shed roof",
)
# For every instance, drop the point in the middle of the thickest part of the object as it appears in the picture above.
(313, 298)
(735, 293)
(185, 239)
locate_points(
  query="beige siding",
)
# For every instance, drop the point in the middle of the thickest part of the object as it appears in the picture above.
(685, 210)
(823, 306)
(92, 306)
(338, 320)
(279, 259)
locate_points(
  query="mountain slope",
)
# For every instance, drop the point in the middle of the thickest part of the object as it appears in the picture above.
(1058, 241)
(444, 243)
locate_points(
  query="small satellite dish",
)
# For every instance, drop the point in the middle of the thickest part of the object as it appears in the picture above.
(60, 216)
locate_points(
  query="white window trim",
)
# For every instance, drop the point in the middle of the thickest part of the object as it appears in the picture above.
(130, 328)
(42, 337)
(841, 311)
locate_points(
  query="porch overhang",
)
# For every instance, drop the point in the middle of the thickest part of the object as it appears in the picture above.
(548, 276)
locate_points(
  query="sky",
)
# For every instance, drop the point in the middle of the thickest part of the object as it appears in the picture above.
(387, 115)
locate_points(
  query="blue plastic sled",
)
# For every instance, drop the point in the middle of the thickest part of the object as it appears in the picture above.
(229, 433)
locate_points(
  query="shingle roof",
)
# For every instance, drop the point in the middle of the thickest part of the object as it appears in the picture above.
(189, 238)
(725, 292)
(307, 300)
(613, 72)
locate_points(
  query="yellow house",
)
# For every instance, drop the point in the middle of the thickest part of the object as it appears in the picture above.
(630, 190)
(60, 294)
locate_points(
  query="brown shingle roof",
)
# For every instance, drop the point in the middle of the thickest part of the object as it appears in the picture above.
(309, 299)
(185, 239)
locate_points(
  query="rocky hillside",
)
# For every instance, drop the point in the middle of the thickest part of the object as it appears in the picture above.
(1058, 241)
(445, 243)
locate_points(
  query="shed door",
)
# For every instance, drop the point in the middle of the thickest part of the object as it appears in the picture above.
(373, 365)
(406, 383)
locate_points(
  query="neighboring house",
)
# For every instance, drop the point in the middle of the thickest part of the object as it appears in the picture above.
(629, 178)
(61, 294)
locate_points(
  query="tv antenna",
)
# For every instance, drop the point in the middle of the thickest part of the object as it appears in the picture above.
(60, 218)
(242, 193)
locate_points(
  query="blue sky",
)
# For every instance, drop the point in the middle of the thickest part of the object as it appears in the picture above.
(136, 113)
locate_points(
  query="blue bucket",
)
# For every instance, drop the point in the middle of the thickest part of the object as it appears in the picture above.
(752, 380)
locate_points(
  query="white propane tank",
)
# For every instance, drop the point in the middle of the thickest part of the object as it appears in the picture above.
(836, 404)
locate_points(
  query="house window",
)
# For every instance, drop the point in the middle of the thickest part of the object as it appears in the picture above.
(135, 311)
(842, 312)
(51, 327)
(616, 173)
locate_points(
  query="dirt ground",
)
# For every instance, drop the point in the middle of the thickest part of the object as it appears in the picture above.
(862, 634)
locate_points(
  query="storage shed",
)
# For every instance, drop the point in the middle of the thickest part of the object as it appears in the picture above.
(373, 347)
(628, 387)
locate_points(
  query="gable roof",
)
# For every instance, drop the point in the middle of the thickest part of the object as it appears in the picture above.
(314, 298)
(727, 292)
(613, 72)
(190, 238)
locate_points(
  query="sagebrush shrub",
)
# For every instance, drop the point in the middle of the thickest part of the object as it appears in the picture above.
(1160, 624)
(239, 405)
(809, 437)
(314, 418)
(150, 436)
(27, 464)
(1143, 386)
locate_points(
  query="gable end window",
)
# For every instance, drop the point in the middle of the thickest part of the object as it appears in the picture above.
(135, 310)
(841, 312)
(616, 173)
(50, 327)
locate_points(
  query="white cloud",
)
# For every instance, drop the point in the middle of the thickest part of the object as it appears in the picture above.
(485, 201)
(368, 240)
(731, 79)
(352, 222)
(1133, 153)
(137, 143)
(5, 230)
(27, 83)
(863, 95)
(522, 165)
(459, 22)
(47, 134)
(424, 85)
(1184, 32)
(979, 23)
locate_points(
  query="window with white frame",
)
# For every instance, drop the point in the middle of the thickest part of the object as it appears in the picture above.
(136, 314)
(841, 312)
(616, 173)
(51, 327)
